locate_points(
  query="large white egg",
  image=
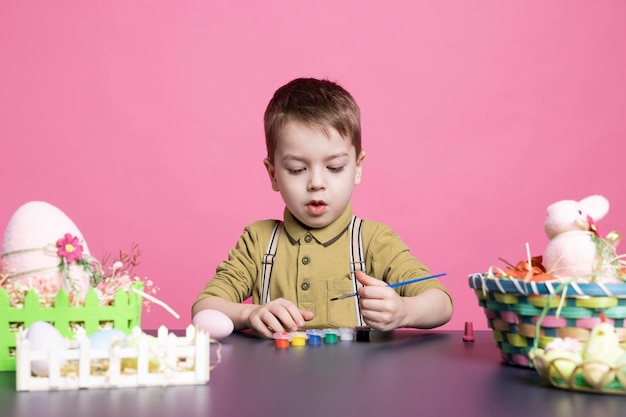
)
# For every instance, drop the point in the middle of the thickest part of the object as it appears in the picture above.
(44, 336)
(216, 323)
(29, 247)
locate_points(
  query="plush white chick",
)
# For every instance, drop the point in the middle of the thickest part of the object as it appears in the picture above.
(601, 353)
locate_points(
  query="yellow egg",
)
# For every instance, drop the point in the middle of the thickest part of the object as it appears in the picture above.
(598, 373)
(562, 363)
(154, 349)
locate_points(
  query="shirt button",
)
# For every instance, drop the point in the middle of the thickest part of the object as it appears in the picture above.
(305, 285)
(306, 260)
(308, 238)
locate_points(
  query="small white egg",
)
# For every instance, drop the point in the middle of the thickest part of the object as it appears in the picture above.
(216, 323)
(44, 336)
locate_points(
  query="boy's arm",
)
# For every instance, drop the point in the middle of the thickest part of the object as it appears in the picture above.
(276, 316)
(430, 309)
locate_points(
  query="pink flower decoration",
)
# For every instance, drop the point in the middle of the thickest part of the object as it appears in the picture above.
(567, 343)
(70, 248)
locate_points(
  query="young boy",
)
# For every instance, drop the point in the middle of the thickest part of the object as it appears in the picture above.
(293, 269)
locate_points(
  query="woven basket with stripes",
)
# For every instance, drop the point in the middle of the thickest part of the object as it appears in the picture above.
(513, 309)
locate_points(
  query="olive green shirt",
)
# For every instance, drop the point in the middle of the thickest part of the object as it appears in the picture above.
(312, 266)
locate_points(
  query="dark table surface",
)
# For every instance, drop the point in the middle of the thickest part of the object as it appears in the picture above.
(426, 373)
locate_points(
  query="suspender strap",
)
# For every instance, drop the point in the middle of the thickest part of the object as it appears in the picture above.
(268, 262)
(357, 263)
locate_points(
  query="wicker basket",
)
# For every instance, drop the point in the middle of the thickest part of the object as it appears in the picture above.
(523, 315)
(572, 375)
(124, 314)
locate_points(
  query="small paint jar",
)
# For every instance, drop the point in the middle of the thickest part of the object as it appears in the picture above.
(362, 334)
(281, 340)
(314, 337)
(330, 336)
(346, 334)
(298, 339)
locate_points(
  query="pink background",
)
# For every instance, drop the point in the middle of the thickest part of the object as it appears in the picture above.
(142, 120)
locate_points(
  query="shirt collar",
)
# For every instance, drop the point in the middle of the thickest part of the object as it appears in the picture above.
(325, 235)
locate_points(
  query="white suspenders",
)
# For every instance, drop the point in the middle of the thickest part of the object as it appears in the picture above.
(357, 261)
(268, 262)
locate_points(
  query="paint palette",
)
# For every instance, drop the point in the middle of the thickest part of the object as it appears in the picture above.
(314, 337)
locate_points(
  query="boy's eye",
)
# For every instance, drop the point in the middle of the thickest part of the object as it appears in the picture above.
(336, 169)
(295, 171)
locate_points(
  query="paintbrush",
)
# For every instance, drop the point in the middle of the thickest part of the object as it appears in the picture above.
(395, 284)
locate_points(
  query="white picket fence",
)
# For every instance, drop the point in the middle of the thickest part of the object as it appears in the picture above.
(183, 360)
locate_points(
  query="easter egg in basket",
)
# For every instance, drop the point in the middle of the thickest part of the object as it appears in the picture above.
(563, 363)
(44, 336)
(40, 245)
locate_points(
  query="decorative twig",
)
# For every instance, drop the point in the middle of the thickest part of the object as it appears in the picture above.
(509, 264)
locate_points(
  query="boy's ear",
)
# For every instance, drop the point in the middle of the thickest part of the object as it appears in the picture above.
(359, 168)
(271, 171)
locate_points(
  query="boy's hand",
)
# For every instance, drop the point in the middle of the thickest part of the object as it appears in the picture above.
(277, 316)
(381, 307)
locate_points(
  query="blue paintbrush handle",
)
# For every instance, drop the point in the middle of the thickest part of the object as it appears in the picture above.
(411, 281)
(395, 284)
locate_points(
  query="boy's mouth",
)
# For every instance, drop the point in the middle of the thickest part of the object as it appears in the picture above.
(316, 207)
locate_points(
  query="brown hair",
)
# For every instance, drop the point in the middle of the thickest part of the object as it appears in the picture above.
(317, 103)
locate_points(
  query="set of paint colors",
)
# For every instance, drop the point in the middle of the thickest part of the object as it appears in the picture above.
(283, 340)
(313, 337)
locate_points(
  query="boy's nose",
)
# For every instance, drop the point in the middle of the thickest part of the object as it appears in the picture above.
(316, 181)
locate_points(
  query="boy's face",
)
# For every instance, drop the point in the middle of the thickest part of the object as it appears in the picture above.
(314, 173)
